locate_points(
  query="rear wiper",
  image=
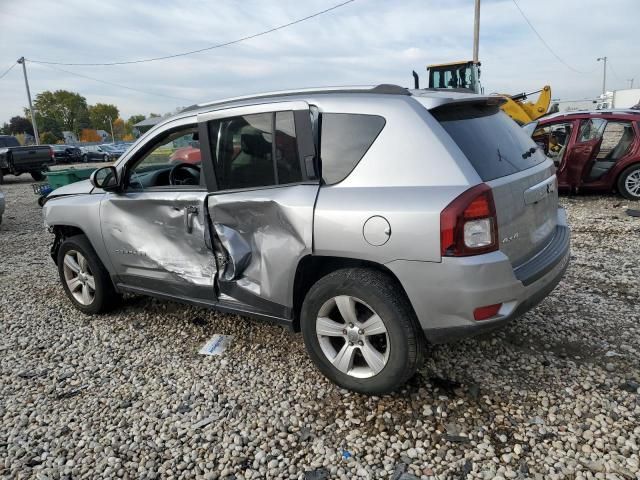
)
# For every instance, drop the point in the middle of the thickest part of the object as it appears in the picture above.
(529, 152)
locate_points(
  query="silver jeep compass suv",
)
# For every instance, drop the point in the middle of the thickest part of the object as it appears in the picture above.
(374, 220)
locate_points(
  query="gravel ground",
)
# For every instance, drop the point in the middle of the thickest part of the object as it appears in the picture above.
(554, 395)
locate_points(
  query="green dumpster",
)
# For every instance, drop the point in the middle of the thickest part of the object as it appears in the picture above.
(60, 178)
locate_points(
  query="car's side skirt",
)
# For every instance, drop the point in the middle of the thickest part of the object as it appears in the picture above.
(236, 308)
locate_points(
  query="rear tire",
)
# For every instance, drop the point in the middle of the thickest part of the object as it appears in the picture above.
(1, 177)
(105, 158)
(629, 182)
(376, 346)
(84, 278)
(85, 158)
(38, 176)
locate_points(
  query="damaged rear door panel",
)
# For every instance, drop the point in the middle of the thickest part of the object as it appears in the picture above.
(261, 236)
(262, 202)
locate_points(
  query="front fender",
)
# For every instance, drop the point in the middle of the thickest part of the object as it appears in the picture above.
(81, 212)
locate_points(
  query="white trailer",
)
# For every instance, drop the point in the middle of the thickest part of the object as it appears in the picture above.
(626, 98)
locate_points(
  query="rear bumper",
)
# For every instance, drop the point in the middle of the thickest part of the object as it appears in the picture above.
(444, 295)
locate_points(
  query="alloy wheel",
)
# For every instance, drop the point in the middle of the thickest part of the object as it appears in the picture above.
(79, 278)
(352, 336)
(632, 183)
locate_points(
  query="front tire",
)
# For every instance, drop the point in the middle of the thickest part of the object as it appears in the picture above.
(38, 176)
(629, 182)
(361, 332)
(105, 158)
(84, 279)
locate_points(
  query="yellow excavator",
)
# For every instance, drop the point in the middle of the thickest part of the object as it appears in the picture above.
(465, 76)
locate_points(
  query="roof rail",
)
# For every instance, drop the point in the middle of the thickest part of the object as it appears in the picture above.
(386, 89)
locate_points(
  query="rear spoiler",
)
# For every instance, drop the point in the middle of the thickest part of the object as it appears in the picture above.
(437, 98)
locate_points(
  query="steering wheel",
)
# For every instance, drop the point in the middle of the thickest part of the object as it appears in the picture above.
(184, 174)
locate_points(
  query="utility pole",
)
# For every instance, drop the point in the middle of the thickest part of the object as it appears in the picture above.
(113, 139)
(476, 32)
(33, 113)
(604, 75)
(630, 82)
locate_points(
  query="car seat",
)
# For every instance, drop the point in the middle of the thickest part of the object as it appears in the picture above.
(253, 166)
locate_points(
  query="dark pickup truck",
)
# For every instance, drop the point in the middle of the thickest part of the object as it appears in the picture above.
(16, 159)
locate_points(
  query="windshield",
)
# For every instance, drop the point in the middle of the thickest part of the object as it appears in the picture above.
(495, 145)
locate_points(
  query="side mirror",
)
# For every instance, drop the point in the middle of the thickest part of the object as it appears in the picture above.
(105, 178)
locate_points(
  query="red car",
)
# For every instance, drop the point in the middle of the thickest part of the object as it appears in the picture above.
(597, 150)
(189, 154)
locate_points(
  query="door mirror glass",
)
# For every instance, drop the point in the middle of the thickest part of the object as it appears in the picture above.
(105, 178)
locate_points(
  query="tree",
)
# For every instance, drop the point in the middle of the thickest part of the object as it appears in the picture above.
(90, 135)
(129, 125)
(118, 128)
(20, 124)
(4, 130)
(133, 119)
(68, 109)
(100, 114)
(50, 125)
(48, 137)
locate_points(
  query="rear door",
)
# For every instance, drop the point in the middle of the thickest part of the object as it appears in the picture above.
(520, 175)
(616, 141)
(262, 160)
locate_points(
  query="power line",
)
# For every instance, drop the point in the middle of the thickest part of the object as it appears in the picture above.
(614, 71)
(544, 42)
(7, 70)
(212, 47)
(111, 83)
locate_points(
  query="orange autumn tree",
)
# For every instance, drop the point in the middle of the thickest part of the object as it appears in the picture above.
(118, 128)
(90, 135)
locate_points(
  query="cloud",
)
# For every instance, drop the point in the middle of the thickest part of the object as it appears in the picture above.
(366, 42)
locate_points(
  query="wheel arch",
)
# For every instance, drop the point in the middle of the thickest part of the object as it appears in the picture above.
(61, 233)
(623, 170)
(312, 268)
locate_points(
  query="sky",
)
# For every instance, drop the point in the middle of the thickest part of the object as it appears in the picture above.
(366, 42)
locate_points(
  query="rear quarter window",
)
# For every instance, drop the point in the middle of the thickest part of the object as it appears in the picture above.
(495, 145)
(344, 140)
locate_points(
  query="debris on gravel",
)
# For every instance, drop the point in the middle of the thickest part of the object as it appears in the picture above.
(127, 394)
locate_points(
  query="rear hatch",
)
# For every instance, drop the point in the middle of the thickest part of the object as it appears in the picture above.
(521, 177)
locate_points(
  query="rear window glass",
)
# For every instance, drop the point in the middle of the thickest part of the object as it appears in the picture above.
(495, 145)
(344, 139)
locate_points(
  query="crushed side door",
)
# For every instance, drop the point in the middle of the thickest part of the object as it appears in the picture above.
(260, 232)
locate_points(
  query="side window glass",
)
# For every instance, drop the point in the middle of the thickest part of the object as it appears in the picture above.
(617, 138)
(242, 151)
(591, 129)
(287, 161)
(344, 139)
(154, 168)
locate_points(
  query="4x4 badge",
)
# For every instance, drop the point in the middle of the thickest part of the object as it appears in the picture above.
(512, 237)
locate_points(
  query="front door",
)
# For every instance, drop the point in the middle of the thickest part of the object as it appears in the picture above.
(261, 205)
(156, 229)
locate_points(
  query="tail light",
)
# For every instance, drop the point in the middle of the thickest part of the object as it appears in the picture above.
(51, 154)
(468, 225)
